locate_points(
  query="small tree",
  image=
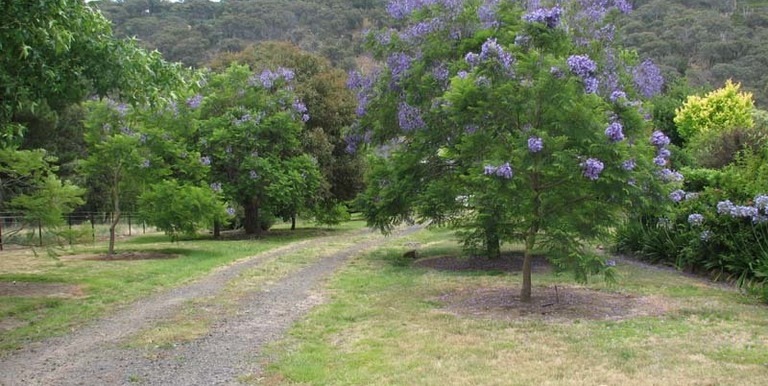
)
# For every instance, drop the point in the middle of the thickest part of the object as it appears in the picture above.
(503, 123)
(180, 209)
(718, 111)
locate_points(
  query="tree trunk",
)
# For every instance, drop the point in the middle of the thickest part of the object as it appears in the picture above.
(492, 244)
(525, 292)
(293, 222)
(251, 222)
(216, 229)
(115, 220)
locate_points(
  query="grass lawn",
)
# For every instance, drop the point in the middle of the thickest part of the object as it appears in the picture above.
(388, 323)
(88, 288)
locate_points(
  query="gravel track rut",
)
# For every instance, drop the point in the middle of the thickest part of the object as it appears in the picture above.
(230, 350)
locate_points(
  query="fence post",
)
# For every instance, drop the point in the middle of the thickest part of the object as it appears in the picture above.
(40, 231)
(129, 223)
(93, 228)
(2, 220)
(69, 222)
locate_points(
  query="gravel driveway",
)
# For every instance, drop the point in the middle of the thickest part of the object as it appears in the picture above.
(94, 355)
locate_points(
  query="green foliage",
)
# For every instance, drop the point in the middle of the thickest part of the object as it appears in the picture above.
(58, 52)
(251, 134)
(718, 111)
(462, 151)
(180, 209)
(49, 202)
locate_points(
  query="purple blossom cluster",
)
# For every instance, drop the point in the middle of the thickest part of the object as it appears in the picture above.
(668, 175)
(504, 171)
(491, 50)
(194, 101)
(659, 139)
(421, 29)
(216, 187)
(615, 132)
(648, 79)
(629, 164)
(398, 63)
(585, 68)
(205, 160)
(745, 211)
(695, 219)
(267, 78)
(364, 86)
(470, 129)
(617, 95)
(705, 235)
(677, 195)
(231, 211)
(145, 164)
(487, 14)
(547, 16)
(535, 144)
(409, 117)
(253, 175)
(440, 72)
(591, 168)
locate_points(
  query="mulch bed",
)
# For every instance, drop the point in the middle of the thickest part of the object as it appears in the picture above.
(32, 289)
(505, 263)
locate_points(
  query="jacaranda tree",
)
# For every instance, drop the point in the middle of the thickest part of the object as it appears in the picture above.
(249, 128)
(510, 123)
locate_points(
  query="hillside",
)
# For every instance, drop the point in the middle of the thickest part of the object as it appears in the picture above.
(707, 41)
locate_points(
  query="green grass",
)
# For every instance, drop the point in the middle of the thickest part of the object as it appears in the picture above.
(387, 325)
(107, 284)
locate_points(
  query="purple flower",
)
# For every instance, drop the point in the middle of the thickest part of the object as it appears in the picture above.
(440, 72)
(623, 5)
(398, 64)
(145, 164)
(305, 117)
(547, 16)
(194, 102)
(472, 59)
(409, 117)
(724, 207)
(648, 78)
(421, 29)
(677, 195)
(231, 211)
(205, 160)
(462, 74)
(492, 50)
(591, 168)
(614, 132)
(535, 144)
(617, 96)
(659, 139)
(216, 187)
(300, 107)
(705, 235)
(122, 109)
(667, 175)
(582, 66)
(489, 170)
(661, 161)
(628, 164)
(556, 72)
(487, 14)
(695, 219)
(761, 202)
(591, 84)
(253, 175)
(664, 153)
(504, 171)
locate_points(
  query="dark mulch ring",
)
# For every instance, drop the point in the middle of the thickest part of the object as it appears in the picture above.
(552, 304)
(32, 289)
(122, 256)
(505, 263)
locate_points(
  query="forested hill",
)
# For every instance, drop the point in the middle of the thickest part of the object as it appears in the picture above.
(194, 31)
(708, 41)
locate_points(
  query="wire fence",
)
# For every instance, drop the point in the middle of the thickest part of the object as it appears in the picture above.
(16, 230)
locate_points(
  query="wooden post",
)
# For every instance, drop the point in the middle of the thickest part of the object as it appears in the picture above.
(129, 224)
(40, 231)
(2, 220)
(93, 228)
(69, 221)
